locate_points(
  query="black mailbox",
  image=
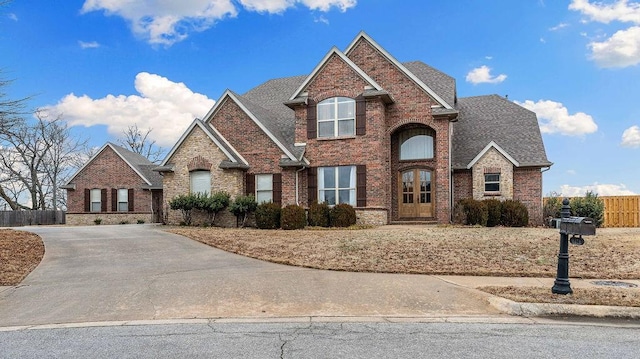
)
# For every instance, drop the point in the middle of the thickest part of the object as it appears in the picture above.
(582, 226)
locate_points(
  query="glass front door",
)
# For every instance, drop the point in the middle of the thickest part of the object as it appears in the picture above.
(415, 198)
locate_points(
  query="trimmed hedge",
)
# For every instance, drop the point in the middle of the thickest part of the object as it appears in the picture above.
(319, 214)
(268, 215)
(471, 212)
(342, 215)
(514, 214)
(293, 217)
(494, 211)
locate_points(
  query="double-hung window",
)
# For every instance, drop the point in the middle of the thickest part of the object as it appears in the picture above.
(492, 182)
(336, 117)
(123, 200)
(337, 185)
(200, 182)
(96, 200)
(264, 188)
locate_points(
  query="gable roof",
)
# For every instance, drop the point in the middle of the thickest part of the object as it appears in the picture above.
(441, 83)
(512, 128)
(334, 51)
(495, 146)
(362, 35)
(138, 163)
(215, 136)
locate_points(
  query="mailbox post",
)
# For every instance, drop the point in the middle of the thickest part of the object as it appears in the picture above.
(577, 227)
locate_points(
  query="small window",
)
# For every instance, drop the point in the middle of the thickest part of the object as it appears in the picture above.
(123, 200)
(96, 202)
(264, 188)
(336, 117)
(492, 182)
(200, 182)
(416, 144)
(337, 185)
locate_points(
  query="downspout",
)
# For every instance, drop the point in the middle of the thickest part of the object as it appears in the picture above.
(450, 173)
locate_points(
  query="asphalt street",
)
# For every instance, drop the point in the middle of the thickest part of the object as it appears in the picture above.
(325, 340)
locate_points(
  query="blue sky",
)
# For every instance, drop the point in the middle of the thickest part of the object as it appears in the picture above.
(107, 64)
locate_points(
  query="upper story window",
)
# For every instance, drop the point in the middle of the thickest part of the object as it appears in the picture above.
(336, 117)
(200, 182)
(416, 144)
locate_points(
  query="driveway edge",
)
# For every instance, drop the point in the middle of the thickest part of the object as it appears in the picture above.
(550, 309)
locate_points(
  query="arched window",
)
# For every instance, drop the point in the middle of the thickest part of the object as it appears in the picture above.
(336, 117)
(200, 181)
(416, 144)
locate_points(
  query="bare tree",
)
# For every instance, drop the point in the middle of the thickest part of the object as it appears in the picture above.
(139, 142)
(11, 110)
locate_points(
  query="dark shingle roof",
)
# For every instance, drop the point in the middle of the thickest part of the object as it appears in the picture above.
(441, 83)
(483, 119)
(140, 163)
(266, 102)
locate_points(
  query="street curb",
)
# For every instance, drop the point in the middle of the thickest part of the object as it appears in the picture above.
(550, 309)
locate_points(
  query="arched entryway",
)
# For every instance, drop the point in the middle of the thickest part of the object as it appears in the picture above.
(413, 161)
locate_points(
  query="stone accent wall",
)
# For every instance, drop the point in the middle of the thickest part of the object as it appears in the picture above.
(527, 183)
(108, 171)
(198, 144)
(372, 216)
(491, 160)
(87, 219)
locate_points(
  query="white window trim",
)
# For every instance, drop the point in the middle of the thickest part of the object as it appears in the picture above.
(123, 198)
(194, 175)
(268, 189)
(352, 185)
(95, 192)
(492, 182)
(335, 102)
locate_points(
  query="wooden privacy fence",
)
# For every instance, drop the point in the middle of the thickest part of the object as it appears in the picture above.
(29, 218)
(621, 211)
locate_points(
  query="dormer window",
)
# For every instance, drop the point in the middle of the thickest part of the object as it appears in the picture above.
(336, 117)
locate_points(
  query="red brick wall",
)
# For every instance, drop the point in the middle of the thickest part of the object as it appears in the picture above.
(462, 185)
(412, 105)
(108, 171)
(527, 188)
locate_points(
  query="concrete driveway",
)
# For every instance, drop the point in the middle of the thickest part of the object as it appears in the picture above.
(139, 272)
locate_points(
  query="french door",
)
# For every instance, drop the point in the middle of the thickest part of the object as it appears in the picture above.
(415, 197)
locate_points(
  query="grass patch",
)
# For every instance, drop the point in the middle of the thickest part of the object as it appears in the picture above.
(627, 297)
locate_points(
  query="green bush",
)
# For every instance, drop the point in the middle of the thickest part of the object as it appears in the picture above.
(268, 215)
(459, 215)
(97, 221)
(476, 212)
(514, 214)
(494, 211)
(342, 215)
(242, 206)
(293, 217)
(140, 221)
(588, 206)
(185, 203)
(319, 214)
(212, 204)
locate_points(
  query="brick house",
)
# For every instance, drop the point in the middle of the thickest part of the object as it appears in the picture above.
(390, 138)
(117, 186)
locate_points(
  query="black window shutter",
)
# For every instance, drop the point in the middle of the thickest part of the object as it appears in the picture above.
(312, 184)
(103, 200)
(312, 125)
(361, 116)
(130, 196)
(277, 188)
(114, 200)
(87, 200)
(250, 184)
(361, 190)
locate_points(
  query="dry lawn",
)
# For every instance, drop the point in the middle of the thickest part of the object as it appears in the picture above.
(614, 253)
(627, 297)
(20, 253)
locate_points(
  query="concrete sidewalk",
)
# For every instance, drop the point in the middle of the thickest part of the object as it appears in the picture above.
(139, 272)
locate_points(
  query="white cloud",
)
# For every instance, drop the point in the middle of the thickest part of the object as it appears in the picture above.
(13, 16)
(553, 117)
(166, 22)
(89, 45)
(622, 49)
(559, 26)
(631, 137)
(321, 19)
(165, 106)
(571, 172)
(600, 189)
(482, 74)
